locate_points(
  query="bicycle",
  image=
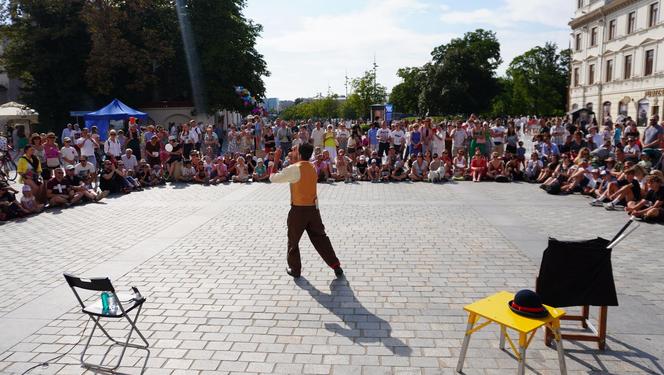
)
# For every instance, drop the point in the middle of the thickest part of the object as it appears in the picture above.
(7, 166)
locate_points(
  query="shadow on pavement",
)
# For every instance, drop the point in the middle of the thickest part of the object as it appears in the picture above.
(365, 327)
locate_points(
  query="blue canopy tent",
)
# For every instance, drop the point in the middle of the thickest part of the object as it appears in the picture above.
(115, 110)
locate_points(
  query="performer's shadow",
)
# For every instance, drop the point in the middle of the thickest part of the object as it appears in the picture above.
(364, 326)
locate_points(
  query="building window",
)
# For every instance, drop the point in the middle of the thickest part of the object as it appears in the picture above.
(579, 4)
(650, 60)
(609, 70)
(577, 43)
(591, 74)
(631, 22)
(576, 77)
(653, 13)
(628, 67)
(593, 37)
(612, 29)
(622, 109)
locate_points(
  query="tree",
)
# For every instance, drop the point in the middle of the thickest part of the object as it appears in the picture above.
(124, 61)
(348, 108)
(368, 92)
(540, 79)
(47, 45)
(460, 79)
(405, 95)
(226, 42)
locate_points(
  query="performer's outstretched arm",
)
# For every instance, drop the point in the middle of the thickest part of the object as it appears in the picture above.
(290, 174)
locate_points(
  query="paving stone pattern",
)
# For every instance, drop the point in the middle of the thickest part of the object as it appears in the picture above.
(220, 302)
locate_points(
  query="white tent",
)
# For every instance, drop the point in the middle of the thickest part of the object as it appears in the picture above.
(13, 113)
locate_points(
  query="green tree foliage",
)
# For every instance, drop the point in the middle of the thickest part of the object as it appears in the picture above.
(324, 108)
(540, 79)
(536, 83)
(226, 45)
(405, 95)
(368, 92)
(76, 54)
(461, 78)
(47, 45)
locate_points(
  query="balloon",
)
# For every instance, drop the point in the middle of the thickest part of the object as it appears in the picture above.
(132, 120)
(168, 147)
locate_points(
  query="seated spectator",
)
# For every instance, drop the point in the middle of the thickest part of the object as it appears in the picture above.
(86, 171)
(496, 167)
(241, 171)
(437, 170)
(260, 172)
(385, 172)
(174, 162)
(645, 162)
(187, 172)
(398, 173)
(547, 172)
(129, 160)
(158, 174)
(144, 175)
(629, 192)
(29, 171)
(201, 176)
(128, 176)
(78, 185)
(373, 173)
(59, 192)
(362, 169)
(632, 150)
(343, 170)
(460, 165)
(10, 208)
(322, 168)
(111, 181)
(478, 166)
(419, 170)
(220, 172)
(29, 203)
(521, 154)
(651, 207)
(512, 167)
(533, 168)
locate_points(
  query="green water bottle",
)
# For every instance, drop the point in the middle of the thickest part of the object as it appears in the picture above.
(104, 303)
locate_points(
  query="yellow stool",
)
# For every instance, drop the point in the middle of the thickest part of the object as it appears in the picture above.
(495, 310)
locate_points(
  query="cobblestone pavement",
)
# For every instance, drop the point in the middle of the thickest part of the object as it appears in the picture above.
(211, 262)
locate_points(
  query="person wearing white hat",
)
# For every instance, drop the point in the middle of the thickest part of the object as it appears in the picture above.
(29, 203)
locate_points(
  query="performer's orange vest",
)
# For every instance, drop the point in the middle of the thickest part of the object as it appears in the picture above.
(303, 192)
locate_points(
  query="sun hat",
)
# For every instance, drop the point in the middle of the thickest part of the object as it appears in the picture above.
(528, 303)
(69, 167)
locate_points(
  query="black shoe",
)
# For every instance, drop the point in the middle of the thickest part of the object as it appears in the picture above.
(339, 272)
(292, 273)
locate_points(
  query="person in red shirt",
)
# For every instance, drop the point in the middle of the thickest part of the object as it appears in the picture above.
(478, 166)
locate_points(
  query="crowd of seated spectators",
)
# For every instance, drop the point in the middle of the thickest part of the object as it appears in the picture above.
(615, 165)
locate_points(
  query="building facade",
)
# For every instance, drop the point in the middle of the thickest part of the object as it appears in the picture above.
(618, 58)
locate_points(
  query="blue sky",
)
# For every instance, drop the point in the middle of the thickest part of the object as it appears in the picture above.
(310, 45)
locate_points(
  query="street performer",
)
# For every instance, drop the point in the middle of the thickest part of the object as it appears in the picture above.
(304, 213)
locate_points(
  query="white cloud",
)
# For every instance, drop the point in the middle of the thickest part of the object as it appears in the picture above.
(314, 52)
(512, 13)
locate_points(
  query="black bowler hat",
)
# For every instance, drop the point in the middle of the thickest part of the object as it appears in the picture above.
(528, 303)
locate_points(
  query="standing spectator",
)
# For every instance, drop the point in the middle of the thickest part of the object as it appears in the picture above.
(330, 142)
(86, 144)
(285, 136)
(383, 135)
(38, 147)
(153, 151)
(653, 138)
(438, 141)
(112, 146)
(317, 135)
(372, 134)
(67, 132)
(211, 142)
(51, 152)
(342, 136)
(397, 136)
(498, 137)
(68, 153)
(459, 136)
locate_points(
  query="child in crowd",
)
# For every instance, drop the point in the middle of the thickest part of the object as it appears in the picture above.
(187, 172)
(29, 203)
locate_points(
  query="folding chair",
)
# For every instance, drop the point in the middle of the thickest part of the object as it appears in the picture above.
(95, 313)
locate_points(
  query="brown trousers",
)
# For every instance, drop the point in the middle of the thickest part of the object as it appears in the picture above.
(301, 218)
